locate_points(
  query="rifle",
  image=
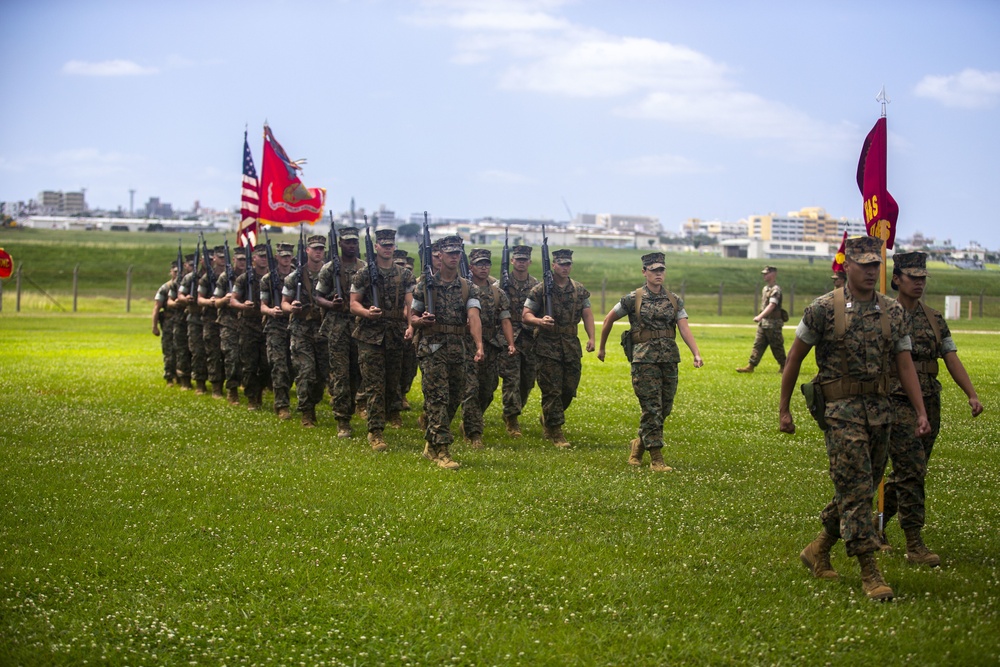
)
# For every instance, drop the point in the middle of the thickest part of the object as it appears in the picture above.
(180, 262)
(505, 262)
(194, 273)
(464, 269)
(272, 269)
(427, 268)
(333, 255)
(547, 277)
(208, 264)
(373, 272)
(300, 256)
(229, 264)
(250, 274)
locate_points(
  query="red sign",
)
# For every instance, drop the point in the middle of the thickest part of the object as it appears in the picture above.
(6, 264)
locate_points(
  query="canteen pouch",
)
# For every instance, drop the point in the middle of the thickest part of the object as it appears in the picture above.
(815, 402)
(784, 315)
(627, 344)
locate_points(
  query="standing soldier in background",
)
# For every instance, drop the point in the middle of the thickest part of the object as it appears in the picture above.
(857, 333)
(163, 318)
(498, 340)
(442, 354)
(229, 329)
(246, 298)
(518, 371)
(769, 323)
(309, 349)
(839, 279)
(931, 337)
(655, 314)
(557, 348)
(188, 297)
(175, 303)
(276, 333)
(345, 373)
(211, 329)
(379, 332)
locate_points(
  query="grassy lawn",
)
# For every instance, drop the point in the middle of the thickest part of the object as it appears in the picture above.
(144, 525)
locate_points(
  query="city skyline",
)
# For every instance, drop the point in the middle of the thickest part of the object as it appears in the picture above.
(533, 109)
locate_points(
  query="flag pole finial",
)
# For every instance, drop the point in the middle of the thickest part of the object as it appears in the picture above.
(883, 98)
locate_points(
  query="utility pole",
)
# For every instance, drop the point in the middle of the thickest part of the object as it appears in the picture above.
(131, 202)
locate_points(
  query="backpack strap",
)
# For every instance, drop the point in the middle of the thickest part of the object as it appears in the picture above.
(932, 316)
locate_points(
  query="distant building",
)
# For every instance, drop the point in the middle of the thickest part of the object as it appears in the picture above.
(779, 249)
(716, 229)
(157, 209)
(644, 224)
(807, 224)
(56, 202)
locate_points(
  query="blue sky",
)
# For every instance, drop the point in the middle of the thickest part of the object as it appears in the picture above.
(714, 110)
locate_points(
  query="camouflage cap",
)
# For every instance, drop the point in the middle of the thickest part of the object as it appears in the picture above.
(436, 246)
(409, 261)
(316, 241)
(520, 252)
(285, 250)
(654, 260)
(399, 254)
(385, 235)
(838, 275)
(189, 258)
(479, 255)
(260, 251)
(864, 249)
(451, 244)
(349, 234)
(768, 269)
(173, 264)
(911, 263)
(563, 256)
(240, 252)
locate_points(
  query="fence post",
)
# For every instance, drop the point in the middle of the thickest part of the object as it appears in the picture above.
(128, 289)
(604, 286)
(720, 299)
(76, 273)
(18, 307)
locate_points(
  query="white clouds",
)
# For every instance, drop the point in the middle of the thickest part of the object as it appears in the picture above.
(541, 53)
(107, 68)
(969, 89)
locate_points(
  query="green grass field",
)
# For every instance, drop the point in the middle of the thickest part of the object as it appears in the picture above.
(144, 525)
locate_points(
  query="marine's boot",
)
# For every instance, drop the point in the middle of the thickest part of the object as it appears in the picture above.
(343, 428)
(405, 406)
(309, 418)
(184, 383)
(444, 459)
(555, 434)
(476, 442)
(395, 421)
(746, 369)
(284, 414)
(917, 552)
(253, 403)
(656, 463)
(233, 396)
(377, 441)
(513, 427)
(816, 556)
(430, 452)
(217, 390)
(636, 452)
(871, 579)
(170, 381)
(200, 387)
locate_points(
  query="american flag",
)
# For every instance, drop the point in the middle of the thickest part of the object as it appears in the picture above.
(250, 200)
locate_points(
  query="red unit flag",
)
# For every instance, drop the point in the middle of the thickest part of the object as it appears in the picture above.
(249, 200)
(838, 259)
(880, 209)
(284, 200)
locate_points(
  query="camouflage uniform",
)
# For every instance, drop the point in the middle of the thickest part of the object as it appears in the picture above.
(229, 335)
(442, 353)
(857, 439)
(769, 329)
(518, 371)
(252, 342)
(195, 333)
(278, 341)
(166, 323)
(484, 378)
(310, 353)
(558, 353)
(654, 361)
(904, 487)
(345, 372)
(182, 353)
(409, 370)
(211, 331)
(380, 342)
